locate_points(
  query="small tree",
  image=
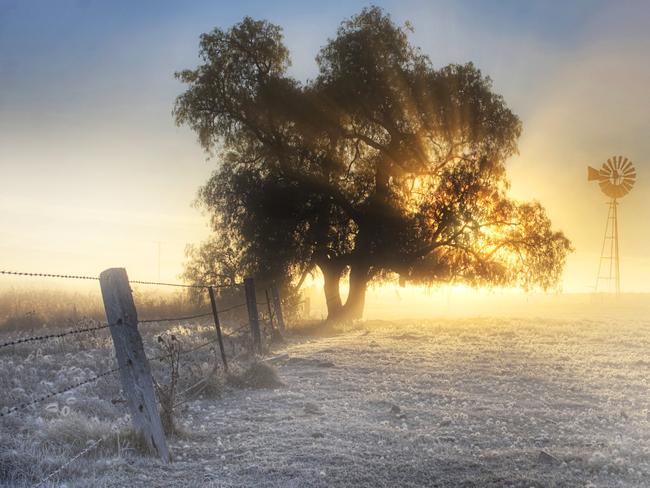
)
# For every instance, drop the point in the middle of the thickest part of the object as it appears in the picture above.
(381, 167)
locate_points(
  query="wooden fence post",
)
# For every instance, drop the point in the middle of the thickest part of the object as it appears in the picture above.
(135, 373)
(277, 305)
(253, 316)
(217, 324)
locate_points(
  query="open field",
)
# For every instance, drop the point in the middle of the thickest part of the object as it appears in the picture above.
(453, 402)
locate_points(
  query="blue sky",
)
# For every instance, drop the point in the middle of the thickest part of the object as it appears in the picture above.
(88, 148)
(63, 52)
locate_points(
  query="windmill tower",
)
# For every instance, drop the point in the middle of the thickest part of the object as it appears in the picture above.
(616, 178)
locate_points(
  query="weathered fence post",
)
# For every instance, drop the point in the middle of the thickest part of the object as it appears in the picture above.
(217, 324)
(277, 305)
(253, 316)
(135, 373)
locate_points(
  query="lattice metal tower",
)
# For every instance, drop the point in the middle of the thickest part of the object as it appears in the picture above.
(616, 178)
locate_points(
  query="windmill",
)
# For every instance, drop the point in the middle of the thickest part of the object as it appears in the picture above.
(616, 178)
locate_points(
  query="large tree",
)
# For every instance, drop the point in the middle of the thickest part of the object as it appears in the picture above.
(382, 167)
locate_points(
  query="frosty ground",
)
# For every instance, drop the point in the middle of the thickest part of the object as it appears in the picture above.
(450, 402)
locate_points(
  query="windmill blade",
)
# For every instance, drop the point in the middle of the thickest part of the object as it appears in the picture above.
(606, 186)
(626, 186)
(631, 177)
(627, 165)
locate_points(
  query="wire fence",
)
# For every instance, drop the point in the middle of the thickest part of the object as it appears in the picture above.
(79, 455)
(23, 406)
(59, 335)
(245, 329)
(225, 281)
(52, 336)
(175, 319)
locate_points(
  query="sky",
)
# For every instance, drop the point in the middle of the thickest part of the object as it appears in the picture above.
(95, 174)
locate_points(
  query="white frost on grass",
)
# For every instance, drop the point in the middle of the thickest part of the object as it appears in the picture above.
(430, 403)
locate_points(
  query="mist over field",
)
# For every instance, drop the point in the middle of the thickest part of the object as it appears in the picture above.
(395, 303)
(484, 390)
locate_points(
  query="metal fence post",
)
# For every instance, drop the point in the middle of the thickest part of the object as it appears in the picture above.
(135, 373)
(268, 308)
(253, 316)
(217, 324)
(277, 305)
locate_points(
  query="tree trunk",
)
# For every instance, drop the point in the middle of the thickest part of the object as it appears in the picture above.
(354, 305)
(332, 278)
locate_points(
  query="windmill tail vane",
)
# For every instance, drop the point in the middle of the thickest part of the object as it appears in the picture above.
(616, 178)
(593, 174)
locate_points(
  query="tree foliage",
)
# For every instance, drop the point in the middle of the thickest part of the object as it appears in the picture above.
(382, 166)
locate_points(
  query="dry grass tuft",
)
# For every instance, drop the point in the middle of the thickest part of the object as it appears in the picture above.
(213, 384)
(27, 457)
(257, 375)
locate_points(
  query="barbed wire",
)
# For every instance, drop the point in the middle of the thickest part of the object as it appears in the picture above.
(53, 336)
(106, 325)
(69, 462)
(190, 317)
(96, 278)
(200, 346)
(49, 275)
(173, 319)
(231, 308)
(180, 285)
(236, 331)
(23, 406)
(183, 352)
(93, 445)
(92, 329)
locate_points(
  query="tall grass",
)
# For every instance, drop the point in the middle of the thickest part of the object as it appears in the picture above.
(31, 308)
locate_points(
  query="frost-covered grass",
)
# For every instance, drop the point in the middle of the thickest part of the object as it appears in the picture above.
(38, 440)
(453, 402)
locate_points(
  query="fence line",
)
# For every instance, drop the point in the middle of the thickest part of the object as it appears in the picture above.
(106, 326)
(200, 346)
(53, 336)
(135, 282)
(189, 317)
(68, 388)
(229, 309)
(180, 285)
(49, 275)
(80, 454)
(23, 406)
(175, 319)
(118, 294)
(69, 462)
